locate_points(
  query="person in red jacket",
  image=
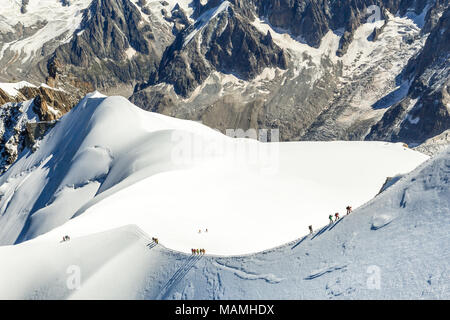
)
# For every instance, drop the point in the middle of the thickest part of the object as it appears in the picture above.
(336, 215)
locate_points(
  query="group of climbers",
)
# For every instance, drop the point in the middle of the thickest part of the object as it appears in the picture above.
(336, 217)
(198, 251)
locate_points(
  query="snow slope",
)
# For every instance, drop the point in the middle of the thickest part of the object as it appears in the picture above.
(394, 247)
(108, 164)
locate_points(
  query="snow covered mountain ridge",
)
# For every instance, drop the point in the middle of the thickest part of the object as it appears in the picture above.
(361, 255)
(358, 93)
(26, 112)
(83, 180)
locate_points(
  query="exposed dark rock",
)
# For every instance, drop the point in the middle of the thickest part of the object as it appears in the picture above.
(5, 98)
(227, 43)
(179, 19)
(98, 53)
(23, 8)
(17, 132)
(36, 131)
(433, 15)
(377, 31)
(429, 74)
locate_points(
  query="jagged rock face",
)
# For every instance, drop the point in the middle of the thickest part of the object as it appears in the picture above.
(437, 47)
(5, 98)
(52, 104)
(312, 19)
(436, 144)
(178, 18)
(425, 112)
(110, 44)
(288, 100)
(19, 115)
(114, 46)
(340, 95)
(220, 41)
(49, 104)
(31, 31)
(36, 131)
(302, 18)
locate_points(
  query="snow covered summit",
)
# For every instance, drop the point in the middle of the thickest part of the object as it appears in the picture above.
(107, 164)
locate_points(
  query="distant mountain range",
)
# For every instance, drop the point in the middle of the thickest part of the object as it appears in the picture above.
(315, 69)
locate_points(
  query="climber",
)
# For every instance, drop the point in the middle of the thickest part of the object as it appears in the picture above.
(310, 230)
(349, 209)
(331, 218)
(337, 216)
(66, 238)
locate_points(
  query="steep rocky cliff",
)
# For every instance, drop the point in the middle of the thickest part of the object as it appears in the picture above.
(425, 112)
(222, 40)
(22, 106)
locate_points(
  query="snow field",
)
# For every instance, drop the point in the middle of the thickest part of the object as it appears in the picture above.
(173, 178)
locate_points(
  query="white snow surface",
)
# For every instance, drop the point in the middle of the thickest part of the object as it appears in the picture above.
(108, 163)
(394, 247)
(59, 20)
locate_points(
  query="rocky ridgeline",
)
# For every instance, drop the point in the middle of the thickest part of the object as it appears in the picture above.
(228, 44)
(429, 74)
(117, 46)
(25, 117)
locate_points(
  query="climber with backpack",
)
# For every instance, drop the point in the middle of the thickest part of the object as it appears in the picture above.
(336, 216)
(331, 218)
(349, 209)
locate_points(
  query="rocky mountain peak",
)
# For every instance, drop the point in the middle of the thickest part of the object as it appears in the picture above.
(221, 39)
(24, 105)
